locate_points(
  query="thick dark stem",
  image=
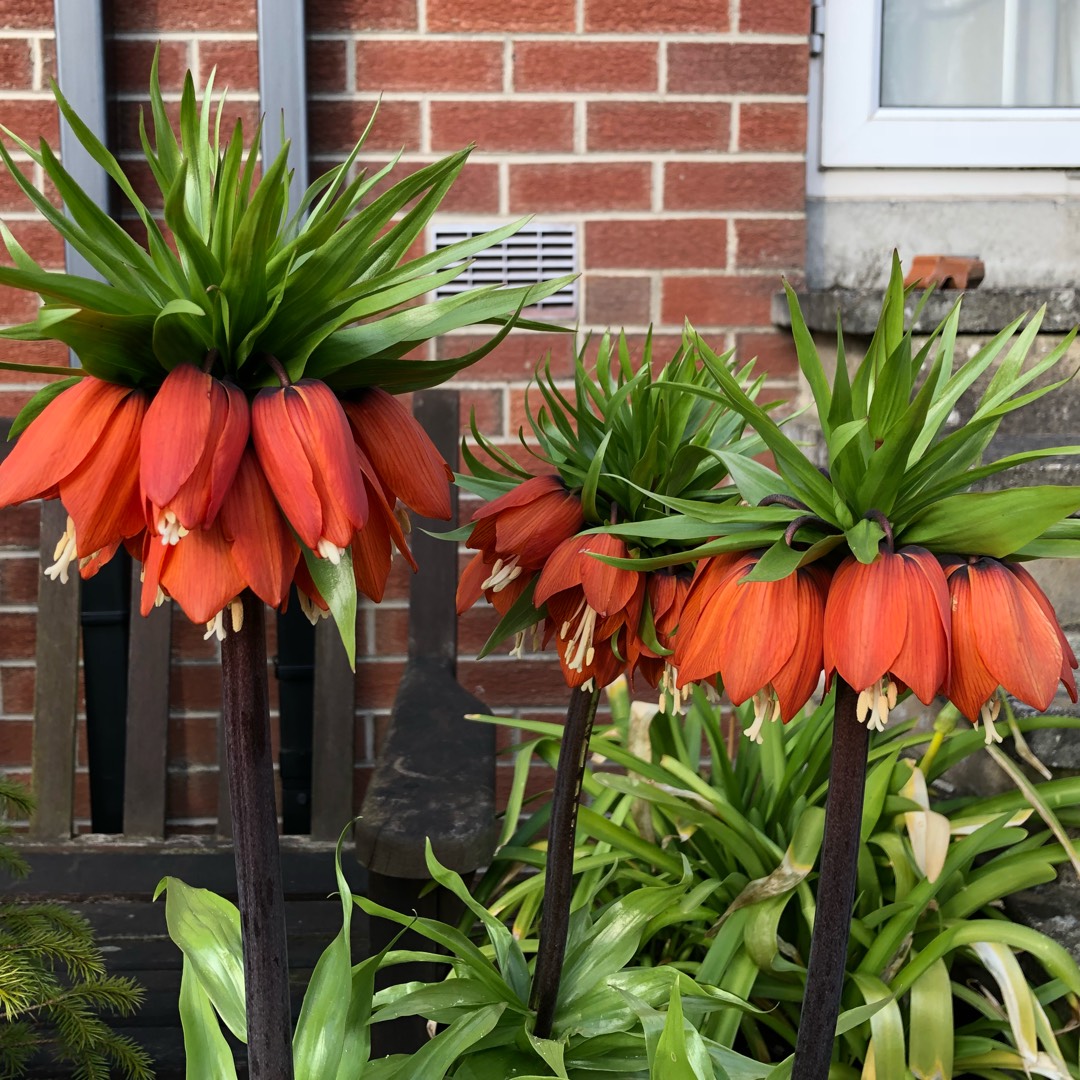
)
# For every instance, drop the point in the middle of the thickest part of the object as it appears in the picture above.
(255, 838)
(836, 890)
(558, 887)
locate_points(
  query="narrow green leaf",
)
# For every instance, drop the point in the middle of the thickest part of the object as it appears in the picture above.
(994, 523)
(810, 362)
(930, 1053)
(206, 1052)
(36, 405)
(337, 586)
(886, 1028)
(206, 928)
(321, 1028)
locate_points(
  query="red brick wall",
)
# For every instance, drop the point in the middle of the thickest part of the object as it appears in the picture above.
(672, 134)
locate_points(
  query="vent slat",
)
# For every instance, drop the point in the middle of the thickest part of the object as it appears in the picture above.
(534, 254)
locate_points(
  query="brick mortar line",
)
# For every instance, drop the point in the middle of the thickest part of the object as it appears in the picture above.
(151, 37)
(598, 157)
(588, 37)
(173, 97)
(599, 97)
(29, 34)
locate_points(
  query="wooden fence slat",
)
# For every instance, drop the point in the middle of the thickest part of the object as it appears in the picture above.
(146, 755)
(332, 735)
(56, 687)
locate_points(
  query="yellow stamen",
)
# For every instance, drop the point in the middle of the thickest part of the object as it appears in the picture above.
(875, 703)
(216, 627)
(502, 573)
(329, 551)
(312, 610)
(172, 532)
(766, 707)
(988, 714)
(236, 614)
(64, 555)
(579, 647)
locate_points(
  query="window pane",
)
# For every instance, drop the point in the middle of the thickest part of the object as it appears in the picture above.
(993, 53)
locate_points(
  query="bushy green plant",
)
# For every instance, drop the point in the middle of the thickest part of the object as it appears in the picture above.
(616, 1018)
(53, 983)
(930, 946)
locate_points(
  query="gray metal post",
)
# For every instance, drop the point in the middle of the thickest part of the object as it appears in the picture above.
(283, 86)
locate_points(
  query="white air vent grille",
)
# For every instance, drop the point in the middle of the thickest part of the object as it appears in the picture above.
(535, 253)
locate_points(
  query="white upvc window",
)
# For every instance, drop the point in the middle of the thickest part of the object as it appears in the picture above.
(950, 84)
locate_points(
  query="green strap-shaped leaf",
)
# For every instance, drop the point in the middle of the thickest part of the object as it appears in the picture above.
(36, 405)
(930, 1051)
(995, 523)
(886, 1030)
(206, 927)
(206, 1051)
(337, 586)
(321, 1028)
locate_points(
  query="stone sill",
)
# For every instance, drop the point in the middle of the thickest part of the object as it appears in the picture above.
(984, 311)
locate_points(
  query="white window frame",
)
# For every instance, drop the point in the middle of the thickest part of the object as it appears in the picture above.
(857, 132)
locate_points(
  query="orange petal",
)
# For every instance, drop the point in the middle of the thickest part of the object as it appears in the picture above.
(284, 462)
(923, 660)
(531, 532)
(102, 494)
(469, 584)
(759, 635)
(525, 492)
(561, 571)
(322, 426)
(199, 573)
(798, 678)
(970, 684)
(263, 547)
(1016, 641)
(58, 440)
(175, 432)
(405, 459)
(1068, 657)
(865, 619)
(607, 588)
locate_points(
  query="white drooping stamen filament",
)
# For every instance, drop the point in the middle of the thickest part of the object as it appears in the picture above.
(172, 532)
(216, 626)
(579, 645)
(670, 692)
(310, 609)
(64, 554)
(766, 707)
(988, 714)
(327, 550)
(875, 702)
(518, 651)
(502, 573)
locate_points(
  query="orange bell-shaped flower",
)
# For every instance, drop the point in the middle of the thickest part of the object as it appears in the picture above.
(763, 638)
(590, 604)
(262, 545)
(887, 626)
(404, 459)
(1005, 634)
(516, 534)
(83, 449)
(307, 453)
(192, 438)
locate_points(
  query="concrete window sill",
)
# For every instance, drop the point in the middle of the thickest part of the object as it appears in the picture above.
(983, 310)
